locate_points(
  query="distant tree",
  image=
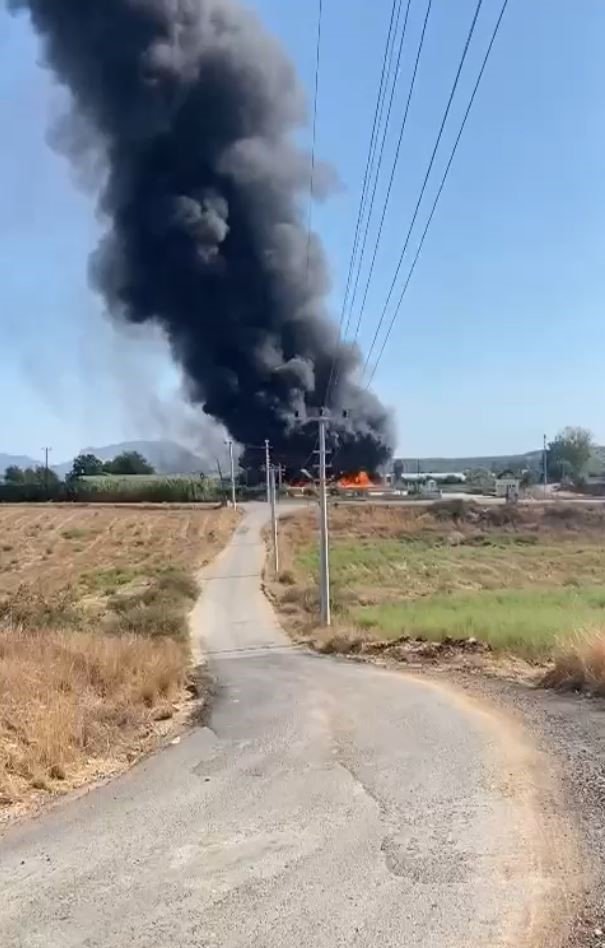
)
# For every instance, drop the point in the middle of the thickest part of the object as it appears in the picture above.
(480, 479)
(530, 476)
(569, 454)
(14, 475)
(31, 475)
(398, 468)
(452, 479)
(45, 476)
(86, 465)
(130, 462)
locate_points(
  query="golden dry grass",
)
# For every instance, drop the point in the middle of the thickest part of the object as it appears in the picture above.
(72, 699)
(580, 665)
(93, 643)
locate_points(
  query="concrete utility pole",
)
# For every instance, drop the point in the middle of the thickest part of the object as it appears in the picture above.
(232, 462)
(268, 469)
(545, 459)
(273, 493)
(324, 540)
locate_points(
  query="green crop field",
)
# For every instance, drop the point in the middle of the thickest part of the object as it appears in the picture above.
(152, 488)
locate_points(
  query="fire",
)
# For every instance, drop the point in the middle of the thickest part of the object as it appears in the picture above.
(359, 481)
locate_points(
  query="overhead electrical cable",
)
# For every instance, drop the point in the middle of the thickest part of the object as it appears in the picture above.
(425, 182)
(393, 174)
(314, 132)
(440, 190)
(376, 171)
(378, 113)
(385, 80)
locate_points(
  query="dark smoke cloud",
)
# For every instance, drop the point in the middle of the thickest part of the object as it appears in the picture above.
(191, 107)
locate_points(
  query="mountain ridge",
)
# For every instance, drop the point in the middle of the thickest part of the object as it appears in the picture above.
(444, 465)
(167, 457)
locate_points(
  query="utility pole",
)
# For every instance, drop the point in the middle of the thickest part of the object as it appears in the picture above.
(233, 493)
(324, 557)
(545, 459)
(273, 493)
(220, 479)
(280, 475)
(268, 469)
(46, 468)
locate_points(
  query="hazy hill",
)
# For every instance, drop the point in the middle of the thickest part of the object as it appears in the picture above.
(165, 456)
(17, 460)
(499, 462)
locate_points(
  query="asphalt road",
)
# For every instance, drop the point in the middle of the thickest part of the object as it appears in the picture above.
(327, 804)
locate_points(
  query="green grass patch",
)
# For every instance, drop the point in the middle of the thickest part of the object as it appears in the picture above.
(413, 568)
(530, 622)
(108, 580)
(158, 609)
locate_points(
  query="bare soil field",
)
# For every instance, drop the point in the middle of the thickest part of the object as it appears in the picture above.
(94, 645)
(522, 586)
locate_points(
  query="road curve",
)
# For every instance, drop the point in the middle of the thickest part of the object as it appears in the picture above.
(327, 804)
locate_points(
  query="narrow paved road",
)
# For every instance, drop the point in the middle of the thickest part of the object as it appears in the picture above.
(328, 804)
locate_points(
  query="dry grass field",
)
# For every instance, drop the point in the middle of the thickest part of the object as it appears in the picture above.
(526, 581)
(94, 646)
(51, 547)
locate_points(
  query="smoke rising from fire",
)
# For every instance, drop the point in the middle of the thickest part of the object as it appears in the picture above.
(191, 108)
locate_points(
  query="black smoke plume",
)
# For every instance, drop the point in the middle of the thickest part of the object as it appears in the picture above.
(192, 108)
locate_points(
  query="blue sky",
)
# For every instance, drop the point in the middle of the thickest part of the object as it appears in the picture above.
(501, 337)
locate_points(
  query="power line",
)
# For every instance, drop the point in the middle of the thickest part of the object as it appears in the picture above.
(380, 100)
(375, 171)
(425, 182)
(378, 112)
(394, 167)
(441, 187)
(314, 133)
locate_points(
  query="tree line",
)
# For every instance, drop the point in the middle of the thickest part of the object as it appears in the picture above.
(569, 457)
(84, 465)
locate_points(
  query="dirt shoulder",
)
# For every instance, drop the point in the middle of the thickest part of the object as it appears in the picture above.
(570, 729)
(95, 659)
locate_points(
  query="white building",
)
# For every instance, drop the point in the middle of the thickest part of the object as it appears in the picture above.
(507, 485)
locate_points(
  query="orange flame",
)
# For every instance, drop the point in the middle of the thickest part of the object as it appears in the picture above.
(359, 481)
